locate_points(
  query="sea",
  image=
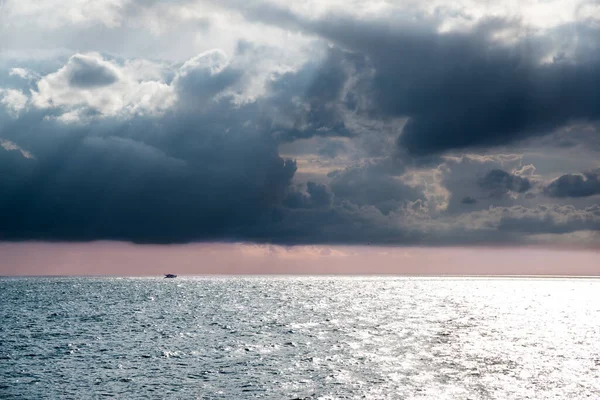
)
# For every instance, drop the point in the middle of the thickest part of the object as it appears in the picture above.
(295, 337)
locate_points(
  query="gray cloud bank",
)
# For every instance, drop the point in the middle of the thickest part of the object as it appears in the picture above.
(465, 89)
(101, 147)
(575, 185)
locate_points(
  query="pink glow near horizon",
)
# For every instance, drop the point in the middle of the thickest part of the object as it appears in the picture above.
(114, 258)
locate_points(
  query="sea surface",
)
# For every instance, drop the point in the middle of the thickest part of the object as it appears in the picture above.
(299, 338)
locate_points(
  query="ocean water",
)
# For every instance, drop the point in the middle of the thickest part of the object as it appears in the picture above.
(299, 338)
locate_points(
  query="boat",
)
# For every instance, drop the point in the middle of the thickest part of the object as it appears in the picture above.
(170, 276)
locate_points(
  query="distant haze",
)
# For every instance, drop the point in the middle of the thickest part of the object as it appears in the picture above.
(112, 258)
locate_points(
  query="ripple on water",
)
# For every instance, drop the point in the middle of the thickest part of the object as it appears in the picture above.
(297, 338)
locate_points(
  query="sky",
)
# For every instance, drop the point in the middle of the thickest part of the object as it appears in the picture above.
(120, 258)
(324, 125)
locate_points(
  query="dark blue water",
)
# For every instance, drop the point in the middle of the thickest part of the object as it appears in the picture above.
(286, 338)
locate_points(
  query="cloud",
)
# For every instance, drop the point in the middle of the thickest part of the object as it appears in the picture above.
(204, 76)
(23, 73)
(513, 224)
(332, 148)
(72, 12)
(9, 146)
(85, 71)
(460, 91)
(548, 219)
(114, 163)
(190, 182)
(306, 102)
(89, 85)
(498, 183)
(477, 182)
(109, 165)
(497, 82)
(14, 101)
(575, 185)
(317, 195)
(468, 200)
(271, 122)
(344, 222)
(373, 184)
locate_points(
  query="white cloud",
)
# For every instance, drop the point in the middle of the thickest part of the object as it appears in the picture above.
(11, 146)
(23, 73)
(14, 101)
(211, 62)
(89, 84)
(56, 13)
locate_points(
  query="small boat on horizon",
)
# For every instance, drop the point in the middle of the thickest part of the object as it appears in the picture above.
(170, 276)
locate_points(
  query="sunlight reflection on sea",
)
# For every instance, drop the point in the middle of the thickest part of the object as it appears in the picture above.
(299, 337)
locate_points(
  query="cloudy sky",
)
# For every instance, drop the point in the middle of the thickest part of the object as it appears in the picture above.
(437, 123)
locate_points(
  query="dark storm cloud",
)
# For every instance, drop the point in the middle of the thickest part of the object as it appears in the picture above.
(306, 102)
(551, 219)
(575, 185)
(348, 223)
(463, 90)
(207, 169)
(12, 161)
(317, 195)
(373, 185)
(460, 91)
(498, 183)
(180, 177)
(343, 223)
(208, 172)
